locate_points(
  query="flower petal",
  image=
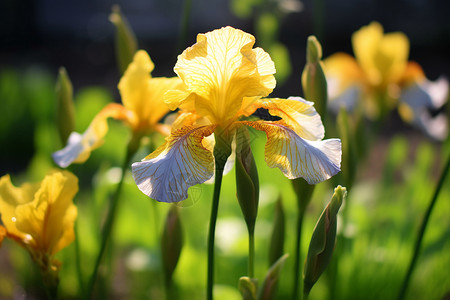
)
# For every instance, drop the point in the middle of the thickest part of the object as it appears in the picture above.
(50, 217)
(143, 94)
(79, 146)
(167, 173)
(315, 161)
(221, 69)
(10, 198)
(382, 57)
(298, 113)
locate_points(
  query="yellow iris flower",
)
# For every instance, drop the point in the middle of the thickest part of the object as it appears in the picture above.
(41, 216)
(143, 107)
(381, 74)
(225, 80)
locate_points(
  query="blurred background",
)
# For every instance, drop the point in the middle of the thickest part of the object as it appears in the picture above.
(392, 188)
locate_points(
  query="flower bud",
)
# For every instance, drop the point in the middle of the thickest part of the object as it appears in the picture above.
(314, 82)
(269, 287)
(303, 190)
(247, 287)
(171, 243)
(323, 241)
(126, 44)
(247, 183)
(349, 155)
(277, 238)
(65, 108)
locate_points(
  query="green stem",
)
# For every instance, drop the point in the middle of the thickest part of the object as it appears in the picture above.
(109, 224)
(298, 254)
(251, 253)
(78, 259)
(184, 25)
(212, 229)
(422, 230)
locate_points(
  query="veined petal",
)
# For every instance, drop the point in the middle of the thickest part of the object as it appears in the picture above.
(143, 94)
(167, 173)
(298, 113)
(50, 217)
(221, 69)
(315, 161)
(10, 198)
(79, 146)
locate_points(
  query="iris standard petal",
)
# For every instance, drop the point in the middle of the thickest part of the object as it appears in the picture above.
(315, 161)
(221, 69)
(166, 174)
(383, 57)
(79, 146)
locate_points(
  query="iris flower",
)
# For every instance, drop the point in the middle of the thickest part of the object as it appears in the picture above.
(142, 108)
(225, 80)
(381, 74)
(40, 217)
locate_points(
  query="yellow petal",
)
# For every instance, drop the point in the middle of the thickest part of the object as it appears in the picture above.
(315, 161)
(167, 173)
(50, 217)
(221, 69)
(79, 146)
(10, 198)
(298, 113)
(143, 94)
(382, 57)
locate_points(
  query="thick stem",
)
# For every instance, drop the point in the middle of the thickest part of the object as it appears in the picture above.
(109, 224)
(212, 229)
(298, 254)
(421, 232)
(251, 253)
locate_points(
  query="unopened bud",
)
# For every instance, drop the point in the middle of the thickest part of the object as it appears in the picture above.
(314, 82)
(278, 232)
(126, 43)
(65, 113)
(269, 287)
(247, 182)
(171, 243)
(247, 286)
(323, 241)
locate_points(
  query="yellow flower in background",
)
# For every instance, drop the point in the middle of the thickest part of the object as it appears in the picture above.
(380, 78)
(225, 80)
(143, 107)
(40, 216)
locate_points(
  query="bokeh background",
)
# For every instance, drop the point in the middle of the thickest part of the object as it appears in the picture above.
(393, 184)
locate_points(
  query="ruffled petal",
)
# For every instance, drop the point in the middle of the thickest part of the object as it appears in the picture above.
(49, 219)
(79, 146)
(315, 161)
(143, 94)
(298, 113)
(10, 198)
(221, 69)
(166, 174)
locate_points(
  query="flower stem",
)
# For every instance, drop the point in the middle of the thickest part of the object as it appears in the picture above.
(109, 223)
(212, 229)
(298, 254)
(251, 253)
(421, 233)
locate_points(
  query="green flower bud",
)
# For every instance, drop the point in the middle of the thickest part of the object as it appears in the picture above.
(65, 116)
(303, 190)
(323, 241)
(314, 82)
(278, 233)
(126, 43)
(247, 183)
(269, 287)
(171, 243)
(247, 287)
